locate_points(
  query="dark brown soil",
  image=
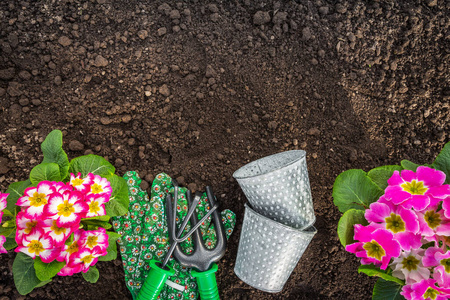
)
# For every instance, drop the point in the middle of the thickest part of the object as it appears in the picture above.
(198, 89)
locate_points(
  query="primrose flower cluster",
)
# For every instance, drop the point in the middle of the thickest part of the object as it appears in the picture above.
(2, 207)
(48, 224)
(409, 232)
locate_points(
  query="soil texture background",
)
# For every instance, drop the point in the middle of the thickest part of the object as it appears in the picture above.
(198, 89)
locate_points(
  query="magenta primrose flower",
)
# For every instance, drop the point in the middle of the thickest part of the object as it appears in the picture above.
(59, 234)
(66, 208)
(94, 238)
(376, 245)
(417, 189)
(3, 204)
(80, 184)
(27, 226)
(2, 241)
(433, 223)
(35, 199)
(403, 223)
(440, 261)
(425, 290)
(99, 185)
(96, 205)
(38, 245)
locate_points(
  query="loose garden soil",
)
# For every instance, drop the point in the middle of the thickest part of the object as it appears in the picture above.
(197, 89)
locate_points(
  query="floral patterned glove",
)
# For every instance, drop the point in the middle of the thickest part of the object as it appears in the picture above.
(145, 235)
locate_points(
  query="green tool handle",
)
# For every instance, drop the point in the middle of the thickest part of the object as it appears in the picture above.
(155, 281)
(207, 285)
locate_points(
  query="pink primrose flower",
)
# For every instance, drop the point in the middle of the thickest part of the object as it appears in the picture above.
(61, 187)
(66, 208)
(70, 269)
(446, 206)
(99, 185)
(67, 251)
(35, 199)
(403, 223)
(27, 226)
(413, 189)
(409, 267)
(81, 184)
(87, 257)
(96, 205)
(95, 238)
(57, 233)
(433, 223)
(440, 260)
(39, 245)
(376, 245)
(3, 204)
(2, 241)
(425, 290)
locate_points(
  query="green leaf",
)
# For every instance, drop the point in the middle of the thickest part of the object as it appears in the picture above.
(387, 290)
(25, 277)
(53, 152)
(100, 218)
(409, 165)
(373, 270)
(354, 189)
(381, 175)
(7, 213)
(442, 162)
(95, 224)
(91, 163)
(45, 171)
(8, 232)
(112, 247)
(345, 226)
(10, 243)
(44, 283)
(91, 275)
(15, 191)
(119, 201)
(46, 271)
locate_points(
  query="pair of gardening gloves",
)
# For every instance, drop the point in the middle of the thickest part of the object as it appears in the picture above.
(145, 235)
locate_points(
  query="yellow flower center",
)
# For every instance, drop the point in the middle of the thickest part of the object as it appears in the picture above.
(446, 264)
(374, 250)
(30, 225)
(430, 293)
(65, 209)
(410, 263)
(35, 247)
(87, 259)
(433, 219)
(92, 241)
(37, 199)
(395, 223)
(93, 207)
(96, 188)
(73, 247)
(58, 230)
(77, 181)
(414, 187)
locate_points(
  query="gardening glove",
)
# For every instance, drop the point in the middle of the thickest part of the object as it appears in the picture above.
(145, 235)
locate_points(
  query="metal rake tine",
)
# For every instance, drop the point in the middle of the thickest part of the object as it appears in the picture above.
(218, 226)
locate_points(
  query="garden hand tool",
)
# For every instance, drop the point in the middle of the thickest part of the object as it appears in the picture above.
(202, 259)
(145, 235)
(159, 273)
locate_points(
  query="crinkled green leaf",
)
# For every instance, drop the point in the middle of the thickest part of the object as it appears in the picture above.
(91, 275)
(409, 165)
(119, 200)
(373, 270)
(25, 278)
(10, 243)
(46, 271)
(386, 290)
(53, 152)
(15, 191)
(354, 189)
(95, 224)
(91, 163)
(45, 171)
(442, 162)
(381, 175)
(345, 226)
(112, 247)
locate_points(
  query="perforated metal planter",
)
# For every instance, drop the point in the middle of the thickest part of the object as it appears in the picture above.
(269, 251)
(277, 186)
